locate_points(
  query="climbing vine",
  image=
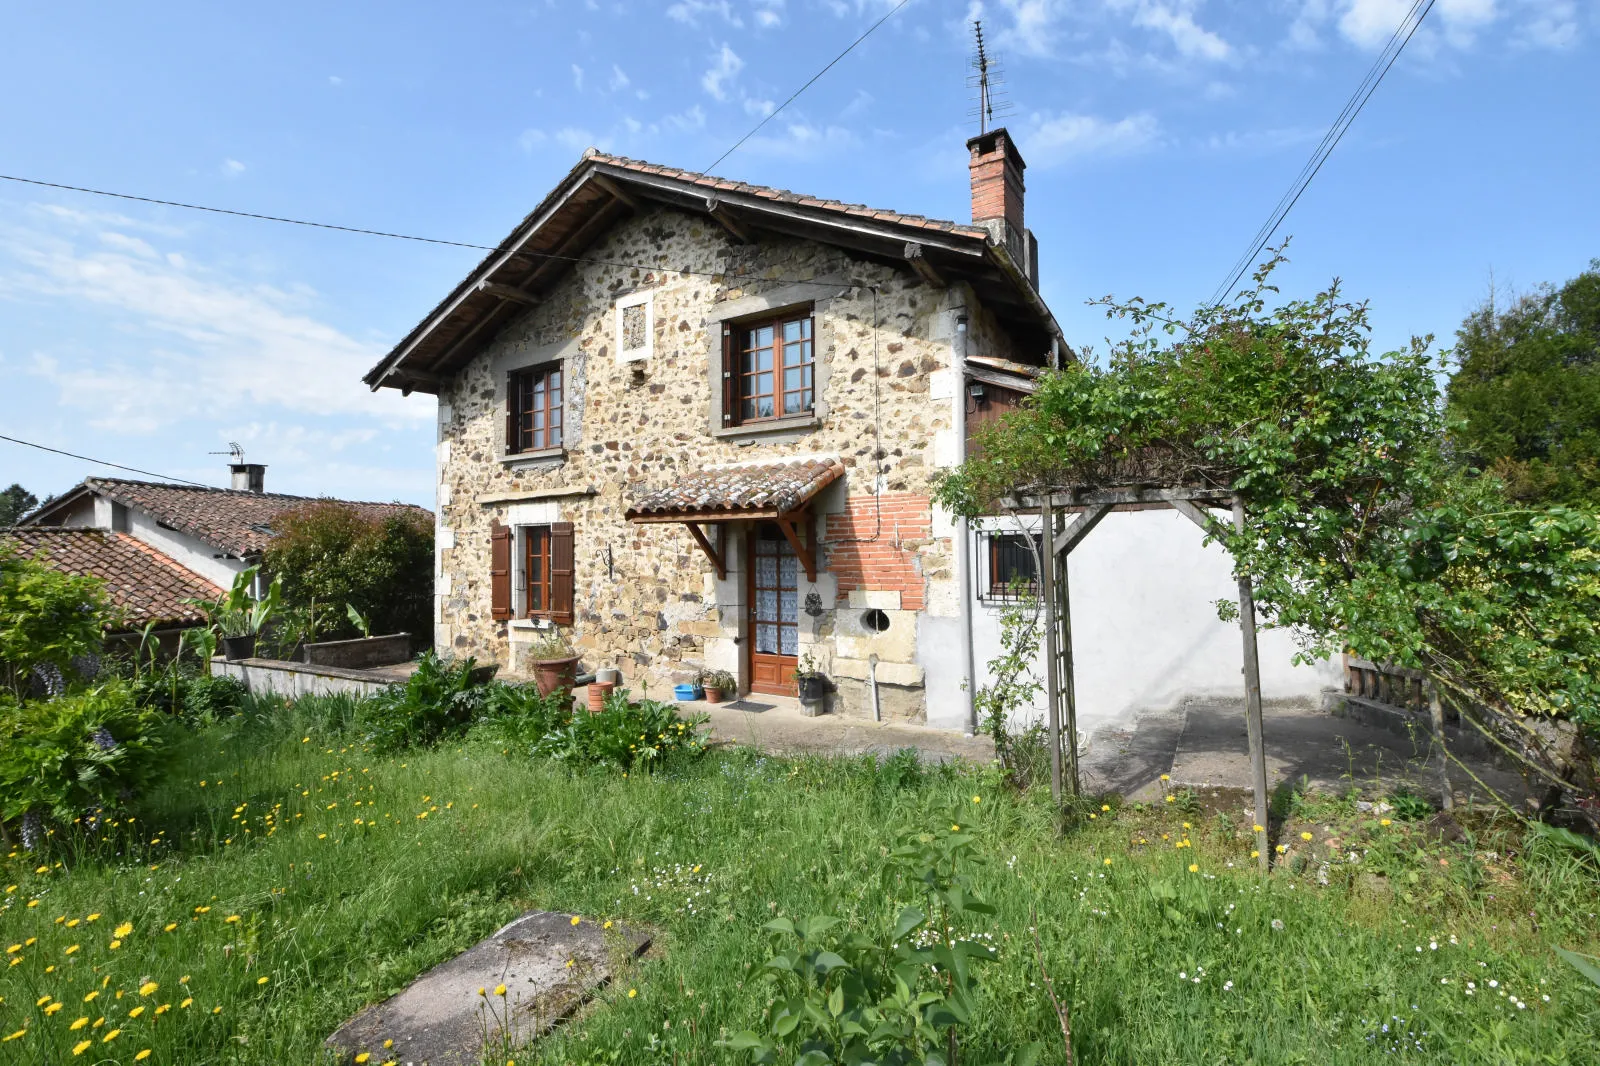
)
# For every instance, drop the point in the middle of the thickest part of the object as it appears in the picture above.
(1360, 532)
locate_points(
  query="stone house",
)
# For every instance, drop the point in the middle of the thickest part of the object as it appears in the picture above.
(693, 423)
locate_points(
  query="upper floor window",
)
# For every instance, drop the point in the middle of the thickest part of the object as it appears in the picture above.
(533, 409)
(769, 369)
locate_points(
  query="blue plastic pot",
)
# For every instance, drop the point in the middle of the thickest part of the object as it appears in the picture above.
(688, 692)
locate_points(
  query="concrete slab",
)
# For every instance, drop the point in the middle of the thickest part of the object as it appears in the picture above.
(784, 728)
(441, 1020)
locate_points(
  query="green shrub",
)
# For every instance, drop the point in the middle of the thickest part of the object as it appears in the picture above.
(519, 716)
(625, 735)
(47, 620)
(82, 755)
(191, 697)
(440, 699)
(333, 557)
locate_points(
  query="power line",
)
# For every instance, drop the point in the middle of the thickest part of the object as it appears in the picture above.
(1330, 140)
(409, 237)
(774, 112)
(102, 462)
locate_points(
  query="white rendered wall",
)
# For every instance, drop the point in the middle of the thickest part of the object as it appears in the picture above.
(185, 550)
(1145, 630)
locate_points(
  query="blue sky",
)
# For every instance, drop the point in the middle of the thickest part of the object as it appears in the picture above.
(1158, 134)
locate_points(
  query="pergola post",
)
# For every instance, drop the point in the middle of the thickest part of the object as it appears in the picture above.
(1052, 679)
(1252, 697)
(1067, 680)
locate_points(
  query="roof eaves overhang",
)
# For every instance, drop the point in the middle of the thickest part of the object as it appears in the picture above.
(964, 253)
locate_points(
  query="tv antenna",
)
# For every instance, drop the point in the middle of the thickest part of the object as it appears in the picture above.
(989, 79)
(234, 450)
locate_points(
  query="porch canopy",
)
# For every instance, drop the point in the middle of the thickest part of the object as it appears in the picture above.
(779, 491)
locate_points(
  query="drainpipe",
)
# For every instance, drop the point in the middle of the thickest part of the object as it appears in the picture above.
(963, 528)
(872, 682)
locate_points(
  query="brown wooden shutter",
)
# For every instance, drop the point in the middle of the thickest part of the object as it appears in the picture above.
(561, 590)
(512, 441)
(730, 391)
(499, 572)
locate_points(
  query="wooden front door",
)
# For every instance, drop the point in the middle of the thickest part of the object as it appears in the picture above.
(774, 606)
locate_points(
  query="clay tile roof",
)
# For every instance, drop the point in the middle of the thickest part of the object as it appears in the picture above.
(730, 491)
(771, 193)
(146, 585)
(235, 521)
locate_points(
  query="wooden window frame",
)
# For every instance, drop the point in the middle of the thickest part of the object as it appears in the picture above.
(528, 391)
(736, 380)
(551, 544)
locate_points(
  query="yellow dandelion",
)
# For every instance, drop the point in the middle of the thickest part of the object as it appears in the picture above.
(1194, 867)
(216, 1010)
(231, 919)
(169, 927)
(1282, 850)
(112, 1035)
(71, 949)
(576, 919)
(483, 991)
(1170, 799)
(79, 1024)
(92, 918)
(499, 990)
(1305, 836)
(262, 980)
(123, 930)
(1105, 806)
(955, 829)
(141, 1056)
(1384, 822)
(186, 1003)
(1255, 854)
(53, 1008)
(147, 988)
(1166, 777)
(91, 996)
(81, 1046)
(115, 944)
(363, 1057)
(1107, 862)
(632, 992)
(135, 1012)
(18, 1035)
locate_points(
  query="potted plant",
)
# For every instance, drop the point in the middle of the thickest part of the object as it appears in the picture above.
(237, 617)
(719, 685)
(813, 686)
(555, 664)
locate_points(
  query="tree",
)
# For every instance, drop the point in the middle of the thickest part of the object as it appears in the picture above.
(15, 502)
(47, 619)
(332, 556)
(1526, 393)
(1359, 534)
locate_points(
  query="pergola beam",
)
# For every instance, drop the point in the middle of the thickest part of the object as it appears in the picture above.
(802, 551)
(1080, 527)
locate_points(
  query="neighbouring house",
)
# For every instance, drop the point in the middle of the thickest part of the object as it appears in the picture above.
(146, 586)
(694, 423)
(210, 534)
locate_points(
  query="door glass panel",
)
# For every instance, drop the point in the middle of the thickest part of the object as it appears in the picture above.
(766, 571)
(788, 568)
(767, 639)
(790, 641)
(788, 606)
(766, 605)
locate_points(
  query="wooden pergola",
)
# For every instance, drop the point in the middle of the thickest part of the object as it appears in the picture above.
(1059, 536)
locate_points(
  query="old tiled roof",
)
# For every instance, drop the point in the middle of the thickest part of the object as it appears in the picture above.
(744, 489)
(235, 521)
(146, 585)
(767, 192)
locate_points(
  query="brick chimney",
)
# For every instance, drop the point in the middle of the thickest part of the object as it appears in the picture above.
(996, 167)
(249, 477)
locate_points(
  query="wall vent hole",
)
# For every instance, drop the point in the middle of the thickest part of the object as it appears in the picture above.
(874, 620)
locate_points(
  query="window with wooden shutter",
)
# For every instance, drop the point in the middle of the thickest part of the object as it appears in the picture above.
(730, 392)
(561, 587)
(499, 572)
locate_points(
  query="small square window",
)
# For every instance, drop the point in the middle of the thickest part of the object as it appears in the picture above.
(1009, 570)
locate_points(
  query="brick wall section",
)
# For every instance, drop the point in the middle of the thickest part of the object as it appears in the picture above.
(887, 562)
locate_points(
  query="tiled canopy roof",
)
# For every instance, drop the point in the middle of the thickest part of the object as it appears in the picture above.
(235, 521)
(745, 490)
(146, 585)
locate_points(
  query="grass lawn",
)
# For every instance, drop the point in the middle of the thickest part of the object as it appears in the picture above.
(284, 877)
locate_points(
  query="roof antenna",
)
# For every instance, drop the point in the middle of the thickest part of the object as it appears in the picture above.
(990, 76)
(234, 450)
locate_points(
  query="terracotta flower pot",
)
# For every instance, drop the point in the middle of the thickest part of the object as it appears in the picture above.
(714, 695)
(553, 674)
(598, 691)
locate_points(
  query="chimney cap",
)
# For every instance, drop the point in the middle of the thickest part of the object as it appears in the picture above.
(997, 139)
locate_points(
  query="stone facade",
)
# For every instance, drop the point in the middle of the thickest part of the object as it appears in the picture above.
(648, 601)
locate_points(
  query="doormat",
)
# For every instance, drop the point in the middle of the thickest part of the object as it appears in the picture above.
(748, 705)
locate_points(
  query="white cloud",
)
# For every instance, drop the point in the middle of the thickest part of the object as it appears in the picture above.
(1550, 24)
(801, 139)
(725, 66)
(577, 77)
(335, 80)
(768, 14)
(759, 108)
(1064, 138)
(1455, 24)
(232, 168)
(1190, 39)
(619, 79)
(690, 12)
(201, 341)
